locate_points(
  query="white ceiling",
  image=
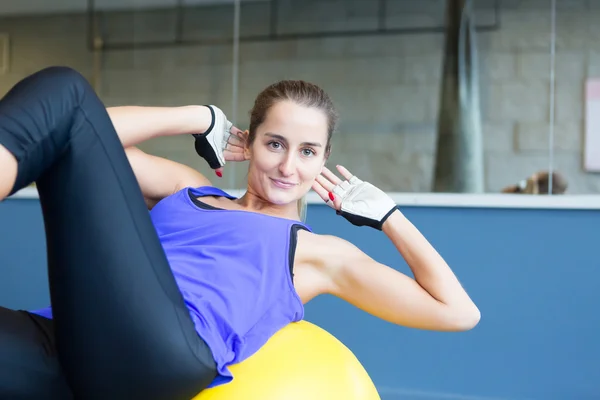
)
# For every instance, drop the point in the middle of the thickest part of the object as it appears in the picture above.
(12, 7)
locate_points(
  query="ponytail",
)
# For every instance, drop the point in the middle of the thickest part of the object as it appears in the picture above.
(302, 209)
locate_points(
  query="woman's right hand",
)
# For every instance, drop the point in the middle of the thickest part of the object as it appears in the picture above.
(221, 142)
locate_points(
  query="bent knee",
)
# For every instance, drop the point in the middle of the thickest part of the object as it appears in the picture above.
(63, 73)
(65, 76)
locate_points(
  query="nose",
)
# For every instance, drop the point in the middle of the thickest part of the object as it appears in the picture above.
(287, 165)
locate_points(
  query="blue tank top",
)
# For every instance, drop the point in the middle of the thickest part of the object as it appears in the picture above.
(234, 270)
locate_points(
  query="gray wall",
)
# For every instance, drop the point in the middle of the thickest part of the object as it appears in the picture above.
(386, 87)
(533, 273)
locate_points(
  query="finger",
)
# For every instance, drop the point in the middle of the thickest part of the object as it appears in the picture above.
(219, 172)
(325, 183)
(234, 145)
(235, 130)
(233, 151)
(235, 141)
(345, 173)
(325, 169)
(324, 194)
(233, 155)
(331, 176)
(240, 135)
(321, 191)
(328, 186)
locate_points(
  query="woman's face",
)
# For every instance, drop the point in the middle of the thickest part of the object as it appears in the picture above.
(288, 152)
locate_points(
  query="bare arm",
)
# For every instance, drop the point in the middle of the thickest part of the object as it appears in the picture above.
(159, 178)
(434, 300)
(135, 124)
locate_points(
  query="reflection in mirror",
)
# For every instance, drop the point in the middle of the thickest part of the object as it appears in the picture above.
(383, 63)
(459, 162)
(545, 181)
(556, 137)
(379, 60)
(235, 79)
(576, 135)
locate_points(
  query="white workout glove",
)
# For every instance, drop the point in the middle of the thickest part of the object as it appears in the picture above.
(362, 203)
(211, 144)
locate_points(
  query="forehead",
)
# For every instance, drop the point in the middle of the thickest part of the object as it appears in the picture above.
(296, 122)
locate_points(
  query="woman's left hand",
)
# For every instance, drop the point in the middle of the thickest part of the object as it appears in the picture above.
(359, 202)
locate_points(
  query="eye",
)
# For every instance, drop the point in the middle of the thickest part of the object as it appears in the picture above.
(308, 152)
(274, 145)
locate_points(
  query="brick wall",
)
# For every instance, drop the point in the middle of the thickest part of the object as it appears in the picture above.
(386, 87)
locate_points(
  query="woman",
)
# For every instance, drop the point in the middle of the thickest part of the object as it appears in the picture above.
(157, 305)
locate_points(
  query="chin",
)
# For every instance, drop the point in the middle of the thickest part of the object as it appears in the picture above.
(281, 198)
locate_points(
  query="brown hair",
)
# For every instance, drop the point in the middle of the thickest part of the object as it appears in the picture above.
(559, 183)
(539, 183)
(299, 92)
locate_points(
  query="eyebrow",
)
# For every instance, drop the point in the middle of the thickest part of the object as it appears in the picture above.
(283, 139)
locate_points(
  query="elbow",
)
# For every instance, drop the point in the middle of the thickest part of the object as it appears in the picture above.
(472, 320)
(465, 319)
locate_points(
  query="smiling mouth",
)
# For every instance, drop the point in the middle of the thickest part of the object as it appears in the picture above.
(283, 184)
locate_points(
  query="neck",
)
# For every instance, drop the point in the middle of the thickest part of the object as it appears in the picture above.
(251, 201)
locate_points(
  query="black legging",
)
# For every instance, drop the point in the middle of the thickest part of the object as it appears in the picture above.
(122, 328)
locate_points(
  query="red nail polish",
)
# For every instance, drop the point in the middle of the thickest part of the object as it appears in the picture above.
(331, 196)
(219, 174)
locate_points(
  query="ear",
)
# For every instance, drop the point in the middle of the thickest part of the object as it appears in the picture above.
(247, 150)
(325, 159)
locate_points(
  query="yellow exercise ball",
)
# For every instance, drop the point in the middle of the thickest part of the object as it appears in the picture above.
(300, 362)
